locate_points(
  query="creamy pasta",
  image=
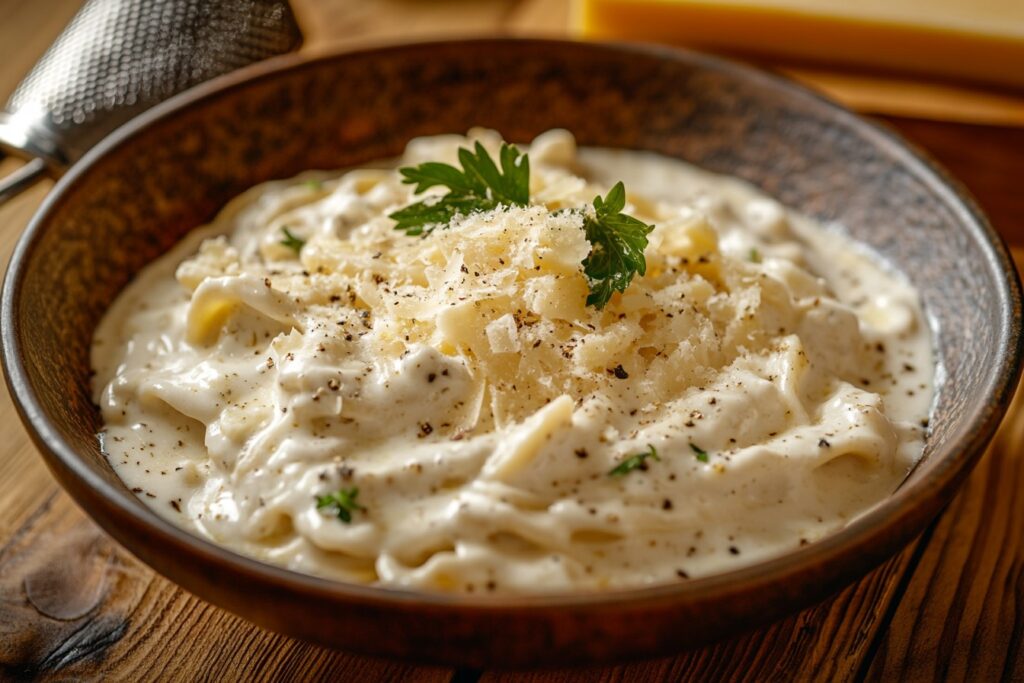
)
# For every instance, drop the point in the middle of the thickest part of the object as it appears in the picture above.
(765, 381)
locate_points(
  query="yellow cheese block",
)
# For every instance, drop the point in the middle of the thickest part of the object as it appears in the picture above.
(981, 40)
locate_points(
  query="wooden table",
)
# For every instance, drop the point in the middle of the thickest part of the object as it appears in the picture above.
(75, 605)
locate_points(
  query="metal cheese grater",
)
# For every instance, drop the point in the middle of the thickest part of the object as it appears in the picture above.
(118, 58)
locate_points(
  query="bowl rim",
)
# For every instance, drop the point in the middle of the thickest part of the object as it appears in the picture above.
(909, 507)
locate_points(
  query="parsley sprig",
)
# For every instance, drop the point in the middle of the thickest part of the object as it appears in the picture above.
(617, 240)
(634, 462)
(341, 502)
(291, 241)
(617, 247)
(478, 186)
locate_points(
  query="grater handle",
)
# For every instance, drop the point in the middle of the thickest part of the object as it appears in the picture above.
(118, 58)
(21, 179)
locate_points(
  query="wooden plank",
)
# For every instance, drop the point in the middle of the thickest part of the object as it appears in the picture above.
(908, 97)
(19, 463)
(962, 615)
(337, 23)
(74, 605)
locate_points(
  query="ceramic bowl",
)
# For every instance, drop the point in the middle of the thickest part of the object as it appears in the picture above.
(142, 189)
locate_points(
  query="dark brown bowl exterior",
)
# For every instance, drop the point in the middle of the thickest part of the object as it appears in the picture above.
(144, 188)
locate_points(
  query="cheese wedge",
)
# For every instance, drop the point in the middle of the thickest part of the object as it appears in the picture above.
(978, 40)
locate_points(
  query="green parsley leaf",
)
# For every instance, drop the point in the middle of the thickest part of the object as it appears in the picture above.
(478, 186)
(617, 247)
(291, 241)
(701, 454)
(634, 462)
(755, 255)
(342, 502)
(313, 184)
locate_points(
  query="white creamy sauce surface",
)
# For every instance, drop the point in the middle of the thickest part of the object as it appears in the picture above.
(461, 385)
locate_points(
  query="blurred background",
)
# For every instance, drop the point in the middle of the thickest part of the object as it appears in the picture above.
(946, 59)
(949, 74)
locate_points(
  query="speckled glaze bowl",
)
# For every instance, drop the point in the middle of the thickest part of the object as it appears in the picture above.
(146, 186)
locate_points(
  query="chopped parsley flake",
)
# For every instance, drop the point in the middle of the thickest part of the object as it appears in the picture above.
(701, 454)
(342, 503)
(634, 462)
(291, 241)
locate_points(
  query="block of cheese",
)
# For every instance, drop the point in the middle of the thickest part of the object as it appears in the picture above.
(978, 40)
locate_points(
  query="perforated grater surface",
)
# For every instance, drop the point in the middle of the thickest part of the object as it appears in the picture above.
(118, 58)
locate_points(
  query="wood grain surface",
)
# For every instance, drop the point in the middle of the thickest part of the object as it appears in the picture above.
(76, 606)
